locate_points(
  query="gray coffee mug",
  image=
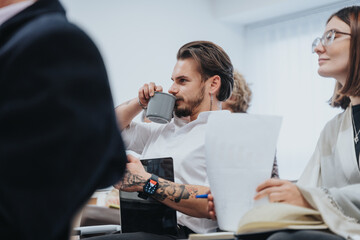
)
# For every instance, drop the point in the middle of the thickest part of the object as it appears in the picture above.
(160, 108)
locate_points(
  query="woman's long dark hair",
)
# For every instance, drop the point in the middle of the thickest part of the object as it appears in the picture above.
(349, 15)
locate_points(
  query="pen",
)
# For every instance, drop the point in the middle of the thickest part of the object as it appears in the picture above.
(201, 196)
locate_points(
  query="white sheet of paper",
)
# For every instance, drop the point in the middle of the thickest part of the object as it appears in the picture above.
(240, 150)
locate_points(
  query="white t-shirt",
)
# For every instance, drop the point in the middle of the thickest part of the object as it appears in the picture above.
(183, 141)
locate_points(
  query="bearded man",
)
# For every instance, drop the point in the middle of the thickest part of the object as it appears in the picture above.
(202, 78)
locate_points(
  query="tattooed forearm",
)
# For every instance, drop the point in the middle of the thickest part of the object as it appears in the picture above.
(183, 192)
(174, 192)
(131, 180)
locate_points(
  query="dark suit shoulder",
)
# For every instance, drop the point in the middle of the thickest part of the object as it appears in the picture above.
(51, 36)
(53, 24)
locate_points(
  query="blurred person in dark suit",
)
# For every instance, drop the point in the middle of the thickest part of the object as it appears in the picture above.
(59, 140)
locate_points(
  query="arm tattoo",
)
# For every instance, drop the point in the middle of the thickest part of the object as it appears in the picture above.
(174, 192)
(131, 180)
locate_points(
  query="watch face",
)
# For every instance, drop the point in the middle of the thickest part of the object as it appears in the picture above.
(151, 187)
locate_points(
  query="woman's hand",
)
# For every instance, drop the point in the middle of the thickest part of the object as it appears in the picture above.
(281, 191)
(211, 207)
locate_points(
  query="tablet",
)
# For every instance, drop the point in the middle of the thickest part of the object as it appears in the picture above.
(139, 215)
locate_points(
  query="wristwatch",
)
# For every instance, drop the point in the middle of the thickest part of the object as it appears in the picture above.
(150, 187)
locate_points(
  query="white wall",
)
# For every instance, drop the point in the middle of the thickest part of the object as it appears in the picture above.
(283, 75)
(250, 11)
(139, 39)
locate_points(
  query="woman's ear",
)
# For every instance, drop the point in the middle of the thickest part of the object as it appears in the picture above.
(215, 84)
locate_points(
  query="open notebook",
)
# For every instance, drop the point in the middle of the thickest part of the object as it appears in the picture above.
(139, 215)
(265, 219)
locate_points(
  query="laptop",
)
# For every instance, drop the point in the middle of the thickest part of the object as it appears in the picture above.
(140, 215)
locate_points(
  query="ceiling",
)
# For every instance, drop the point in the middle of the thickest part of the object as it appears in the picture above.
(245, 12)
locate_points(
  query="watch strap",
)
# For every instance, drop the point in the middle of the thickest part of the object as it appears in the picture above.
(142, 195)
(154, 177)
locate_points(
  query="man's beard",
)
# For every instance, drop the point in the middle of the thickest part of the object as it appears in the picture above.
(192, 104)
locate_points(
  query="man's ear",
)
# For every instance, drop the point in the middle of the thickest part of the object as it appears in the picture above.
(215, 84)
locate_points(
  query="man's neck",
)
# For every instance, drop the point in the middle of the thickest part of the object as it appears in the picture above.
(194, 116)
(214, 107)
(5, 3)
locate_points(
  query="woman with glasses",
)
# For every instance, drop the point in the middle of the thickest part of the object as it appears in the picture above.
(331, 181)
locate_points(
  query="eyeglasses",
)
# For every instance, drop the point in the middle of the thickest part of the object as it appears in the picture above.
(327, 39)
